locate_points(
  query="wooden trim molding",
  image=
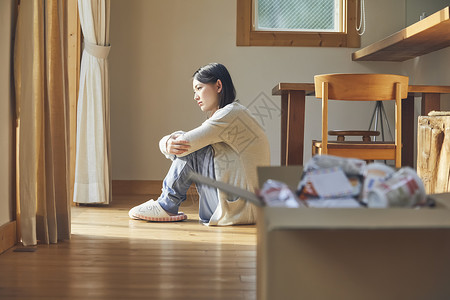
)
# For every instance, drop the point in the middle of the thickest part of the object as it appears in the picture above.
(247, 36)
(8, 236)
(141, 187)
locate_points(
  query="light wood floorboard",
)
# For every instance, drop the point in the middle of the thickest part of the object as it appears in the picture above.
(113, 257)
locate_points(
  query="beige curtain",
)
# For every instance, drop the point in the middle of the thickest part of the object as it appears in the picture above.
(93, 155)
(39, 73)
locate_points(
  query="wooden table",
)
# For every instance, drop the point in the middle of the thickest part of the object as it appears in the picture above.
(293, 97)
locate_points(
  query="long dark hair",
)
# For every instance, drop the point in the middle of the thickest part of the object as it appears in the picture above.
(210, 74)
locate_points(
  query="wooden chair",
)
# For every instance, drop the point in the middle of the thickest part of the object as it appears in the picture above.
(361, 87)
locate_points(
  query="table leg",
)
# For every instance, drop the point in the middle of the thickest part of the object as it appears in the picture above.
(292, 127)
(408, 131)
(284, 118)
(430, 102)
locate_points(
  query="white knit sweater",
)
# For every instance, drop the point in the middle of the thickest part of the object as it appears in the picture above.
(240, 145)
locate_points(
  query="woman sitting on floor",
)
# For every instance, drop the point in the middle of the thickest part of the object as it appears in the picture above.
(227, 147)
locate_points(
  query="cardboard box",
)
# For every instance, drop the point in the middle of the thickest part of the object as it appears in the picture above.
(350, 253)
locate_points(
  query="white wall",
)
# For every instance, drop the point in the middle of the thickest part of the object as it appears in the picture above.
(6, 156)
(415, 9)
(157, 45)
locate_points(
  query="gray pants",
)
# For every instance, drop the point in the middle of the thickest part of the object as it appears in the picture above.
(177, 183)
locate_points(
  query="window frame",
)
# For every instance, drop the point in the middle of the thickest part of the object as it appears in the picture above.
(246, 35)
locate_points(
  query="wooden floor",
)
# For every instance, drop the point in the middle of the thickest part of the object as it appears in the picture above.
(113, 257)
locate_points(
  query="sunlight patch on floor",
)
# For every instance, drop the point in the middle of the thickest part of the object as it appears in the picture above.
(113, 221)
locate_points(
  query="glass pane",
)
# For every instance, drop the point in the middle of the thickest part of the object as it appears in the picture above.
(309, 15)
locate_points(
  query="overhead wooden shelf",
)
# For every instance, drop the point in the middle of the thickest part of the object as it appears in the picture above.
(428, 35)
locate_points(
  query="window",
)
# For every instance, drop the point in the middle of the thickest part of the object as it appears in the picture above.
(306, 15)
(313, 23)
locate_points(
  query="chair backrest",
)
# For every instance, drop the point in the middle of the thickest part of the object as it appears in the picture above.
(361, 87)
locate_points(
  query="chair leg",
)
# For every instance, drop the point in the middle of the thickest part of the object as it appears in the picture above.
(314, 150)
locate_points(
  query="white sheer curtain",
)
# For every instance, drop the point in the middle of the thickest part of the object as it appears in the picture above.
(93, 154)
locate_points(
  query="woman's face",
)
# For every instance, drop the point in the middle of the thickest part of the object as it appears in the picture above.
(207, 95)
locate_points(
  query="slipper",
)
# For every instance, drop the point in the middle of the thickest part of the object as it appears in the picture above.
(152, 211)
